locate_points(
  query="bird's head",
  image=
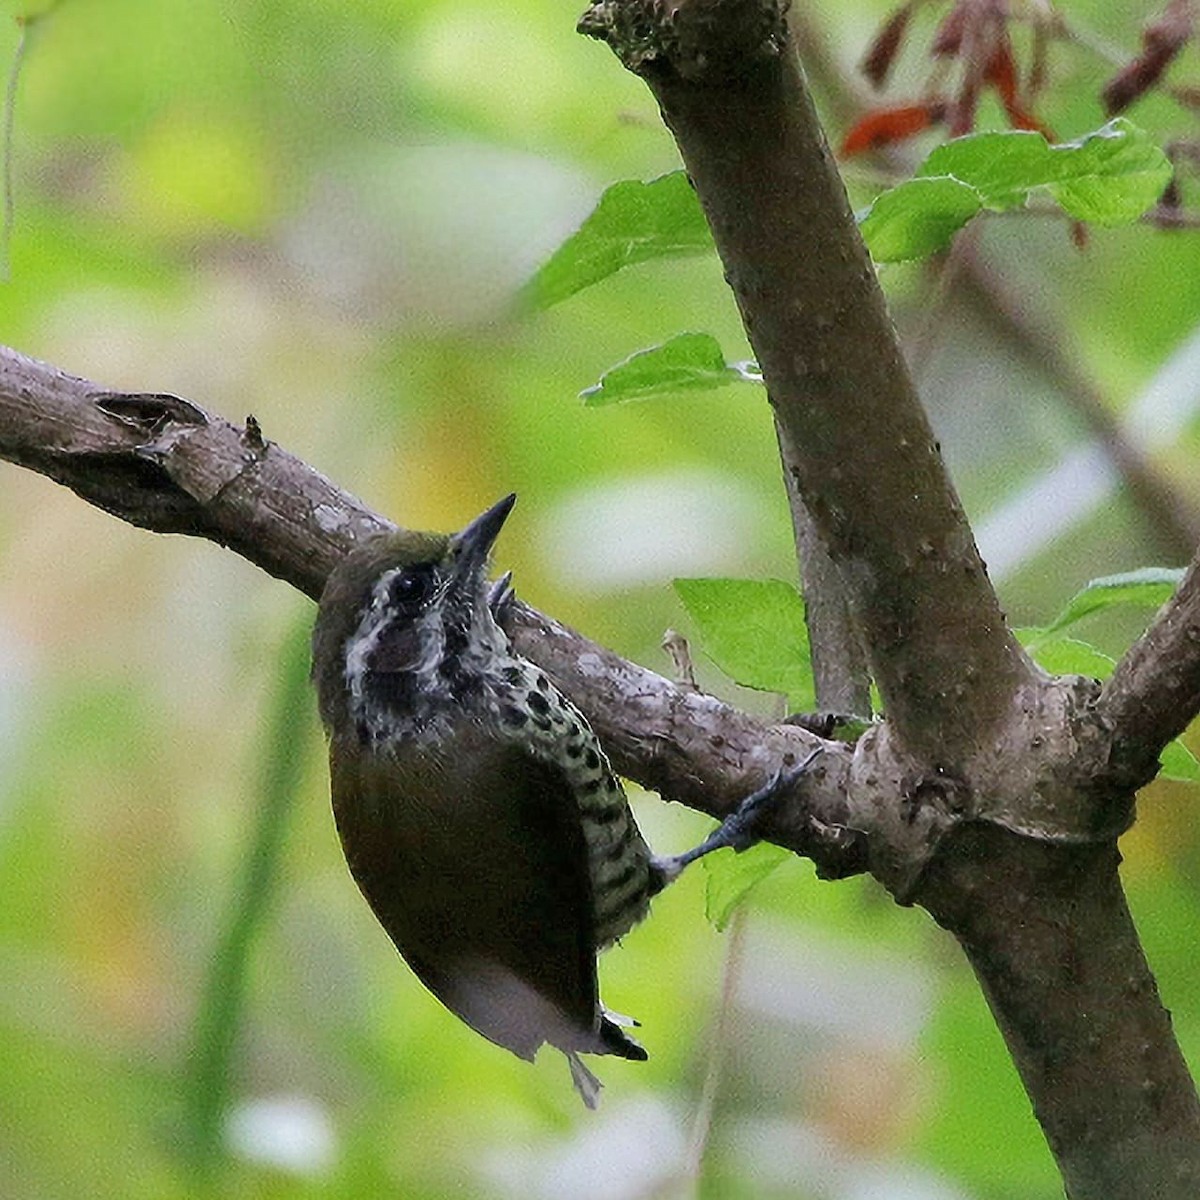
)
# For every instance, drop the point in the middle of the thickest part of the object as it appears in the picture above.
(403, 621)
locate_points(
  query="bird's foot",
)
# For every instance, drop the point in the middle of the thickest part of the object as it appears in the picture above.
(739, 830)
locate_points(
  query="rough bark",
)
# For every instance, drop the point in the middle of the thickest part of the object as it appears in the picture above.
(1048, 934)
(1154, 692)
(866, 463)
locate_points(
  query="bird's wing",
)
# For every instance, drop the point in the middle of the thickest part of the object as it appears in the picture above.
(474, 861)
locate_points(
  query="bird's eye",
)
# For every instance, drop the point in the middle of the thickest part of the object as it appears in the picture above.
(410, 589)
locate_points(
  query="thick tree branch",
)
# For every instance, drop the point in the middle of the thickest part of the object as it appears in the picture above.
(866, 463)
(1049, 936)
(163, 463)
(1171, 520)
(989, 796)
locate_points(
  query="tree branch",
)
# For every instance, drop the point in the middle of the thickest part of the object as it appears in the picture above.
(1049, 936)
(1169, 519)
(976, 739)
(841, 680)
(866, 463)
(1154, 692)
(165, 464)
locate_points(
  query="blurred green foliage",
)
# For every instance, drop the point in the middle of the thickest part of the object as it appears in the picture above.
(322, 211)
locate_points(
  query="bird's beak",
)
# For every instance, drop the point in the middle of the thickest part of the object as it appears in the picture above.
(473, 544)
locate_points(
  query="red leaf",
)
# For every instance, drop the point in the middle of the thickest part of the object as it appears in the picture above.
(947, 41)
(886, 126)
(877, 62)
(1022, 118)
(1001, 73)
(1162, 40)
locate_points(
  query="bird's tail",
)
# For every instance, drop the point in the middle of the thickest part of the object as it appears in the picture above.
(616, 1040)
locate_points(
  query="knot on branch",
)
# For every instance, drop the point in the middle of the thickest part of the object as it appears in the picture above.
(703, 41)
(1044, 775)
(149, 412)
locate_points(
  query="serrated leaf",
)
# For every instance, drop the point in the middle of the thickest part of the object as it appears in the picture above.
(732, 876)
(633, 222)
(1149, 587)
(1117, 174)
(917, 218)
(754, 631)
(688, 362)
(1109, 177)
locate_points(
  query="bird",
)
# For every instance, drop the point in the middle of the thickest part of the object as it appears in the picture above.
(478, 812)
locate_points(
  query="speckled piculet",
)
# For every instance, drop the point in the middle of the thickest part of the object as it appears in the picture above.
(476, 808)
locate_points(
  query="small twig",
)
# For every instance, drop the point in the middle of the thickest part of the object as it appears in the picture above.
(1076, 32)
(680, 654)
(1170, 520)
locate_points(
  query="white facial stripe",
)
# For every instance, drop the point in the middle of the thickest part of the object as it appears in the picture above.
(362, 642)
(361, 645)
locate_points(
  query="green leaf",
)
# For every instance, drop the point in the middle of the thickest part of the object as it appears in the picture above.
(917, 218)
(1178, 762)
(1109, 177)
(1150, 587)
(634, 222)
(754, 631)
(1065, 655)
(688, 362)
(730, 878)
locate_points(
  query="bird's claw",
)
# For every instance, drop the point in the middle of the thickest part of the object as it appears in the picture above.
(739, 830)
(740, 827)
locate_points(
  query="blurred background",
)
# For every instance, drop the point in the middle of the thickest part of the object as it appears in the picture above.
(318, 211)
